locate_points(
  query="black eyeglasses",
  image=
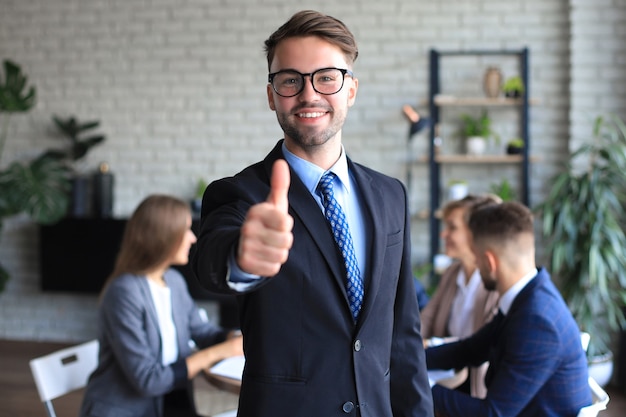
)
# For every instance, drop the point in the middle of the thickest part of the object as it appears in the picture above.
(327, 81)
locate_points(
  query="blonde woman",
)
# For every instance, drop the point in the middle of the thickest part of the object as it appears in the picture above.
(147, 319)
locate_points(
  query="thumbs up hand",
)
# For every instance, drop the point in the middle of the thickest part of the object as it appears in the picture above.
(266, 235)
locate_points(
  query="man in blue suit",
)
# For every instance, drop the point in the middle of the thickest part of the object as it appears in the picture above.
(537, 364)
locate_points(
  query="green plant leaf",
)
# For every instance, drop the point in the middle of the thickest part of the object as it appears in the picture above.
(72, 129)
(13, 98)
(584, 220)
(39, 188)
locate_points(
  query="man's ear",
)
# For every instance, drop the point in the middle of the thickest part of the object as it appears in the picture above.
(353, 87)
(492, 261)
(270, 97)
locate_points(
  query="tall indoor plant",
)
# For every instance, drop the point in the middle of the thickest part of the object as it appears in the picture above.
(583, 219)
(39, 186)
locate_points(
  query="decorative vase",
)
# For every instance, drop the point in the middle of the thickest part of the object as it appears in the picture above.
(476, 145)
(103, 192)
(80, 202)
(492, 82)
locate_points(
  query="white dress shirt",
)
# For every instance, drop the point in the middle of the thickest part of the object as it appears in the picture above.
(162, 298)
(461, 321)
(508, 297)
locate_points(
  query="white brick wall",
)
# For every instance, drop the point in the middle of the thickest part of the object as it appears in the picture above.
(179, 86)
(598, 70)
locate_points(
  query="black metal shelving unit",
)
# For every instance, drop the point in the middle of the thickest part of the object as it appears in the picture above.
(522, 103)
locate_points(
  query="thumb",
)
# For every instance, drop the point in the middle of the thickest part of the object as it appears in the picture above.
(279, 184)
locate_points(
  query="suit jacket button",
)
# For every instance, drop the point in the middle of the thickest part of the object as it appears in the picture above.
(347, 407)
(357, 345)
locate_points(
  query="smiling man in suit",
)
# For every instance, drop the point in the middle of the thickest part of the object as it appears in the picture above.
(317, 247)
(537, 366)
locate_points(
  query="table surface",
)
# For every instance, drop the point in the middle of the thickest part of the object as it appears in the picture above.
(223, 382)
(233, 385)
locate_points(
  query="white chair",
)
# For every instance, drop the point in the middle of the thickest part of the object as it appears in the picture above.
(63, 371)
(585, 338)
(600, 400)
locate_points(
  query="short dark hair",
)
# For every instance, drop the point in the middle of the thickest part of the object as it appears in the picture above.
(312, 23)
(498, 224)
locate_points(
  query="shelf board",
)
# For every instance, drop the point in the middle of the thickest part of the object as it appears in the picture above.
(445, 100)
(476, 159)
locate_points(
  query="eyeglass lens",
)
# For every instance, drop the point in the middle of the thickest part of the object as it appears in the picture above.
(325, 81)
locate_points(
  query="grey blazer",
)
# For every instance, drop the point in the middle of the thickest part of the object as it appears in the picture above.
(130, 379)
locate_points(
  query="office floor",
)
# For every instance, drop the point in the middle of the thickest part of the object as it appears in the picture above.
(19, 397)
(18, 394)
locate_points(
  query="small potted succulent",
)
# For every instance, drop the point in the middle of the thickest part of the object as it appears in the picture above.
(513, 87)
(515, 146)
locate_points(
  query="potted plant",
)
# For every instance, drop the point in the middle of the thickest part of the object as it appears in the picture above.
(504, 190)
(583, 219)
(477, 130)
(39, 186)
(457, 189)
(79, 142)
(513, 87)
(515, 146)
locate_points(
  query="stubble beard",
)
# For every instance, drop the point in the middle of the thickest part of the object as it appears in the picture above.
(488, 281)
(309, 138)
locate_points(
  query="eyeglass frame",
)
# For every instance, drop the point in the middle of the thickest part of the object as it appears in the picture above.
(344, 72)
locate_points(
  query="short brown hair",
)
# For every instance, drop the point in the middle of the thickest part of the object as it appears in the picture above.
(312, 23)
(499, 224)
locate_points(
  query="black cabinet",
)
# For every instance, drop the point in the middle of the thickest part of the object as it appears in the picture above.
(78, 254)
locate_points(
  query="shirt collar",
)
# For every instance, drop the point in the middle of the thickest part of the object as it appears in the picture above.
(508, 297)
(471, 283)
(310, 174)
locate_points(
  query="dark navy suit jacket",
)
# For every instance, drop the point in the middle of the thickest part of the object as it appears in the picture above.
(537, 364)
(305, 356)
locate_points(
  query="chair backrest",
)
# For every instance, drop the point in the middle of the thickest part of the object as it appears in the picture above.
(585, 338)
(600, 400)
(63, 371)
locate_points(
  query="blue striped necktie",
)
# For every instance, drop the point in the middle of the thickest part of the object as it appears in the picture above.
(337, 219)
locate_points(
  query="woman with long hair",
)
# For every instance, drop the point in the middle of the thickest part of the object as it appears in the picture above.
(147, 320)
